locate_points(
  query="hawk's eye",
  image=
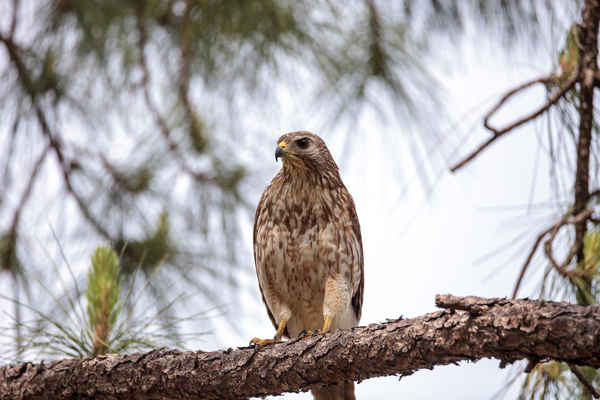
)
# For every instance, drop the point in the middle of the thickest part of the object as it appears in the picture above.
(303, 143)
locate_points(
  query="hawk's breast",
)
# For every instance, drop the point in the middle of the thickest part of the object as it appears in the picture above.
(301, 241)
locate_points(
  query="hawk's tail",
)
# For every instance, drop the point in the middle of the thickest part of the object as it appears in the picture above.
(341, 391)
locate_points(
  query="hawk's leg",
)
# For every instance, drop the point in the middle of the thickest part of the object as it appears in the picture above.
(304, 333)
(335, 303)
(257, 343)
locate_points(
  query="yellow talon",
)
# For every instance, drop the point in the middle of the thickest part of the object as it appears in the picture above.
(258, 343)
(305, 332)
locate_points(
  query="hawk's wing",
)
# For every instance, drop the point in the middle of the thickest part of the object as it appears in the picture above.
(357, 299)
(259, 210)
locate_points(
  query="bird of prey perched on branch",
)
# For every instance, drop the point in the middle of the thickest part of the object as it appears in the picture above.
(308, 248)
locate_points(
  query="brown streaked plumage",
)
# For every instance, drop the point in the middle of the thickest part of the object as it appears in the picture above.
(308, 247)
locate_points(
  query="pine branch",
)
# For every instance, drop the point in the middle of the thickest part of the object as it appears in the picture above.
(470, 328)
(588, 67)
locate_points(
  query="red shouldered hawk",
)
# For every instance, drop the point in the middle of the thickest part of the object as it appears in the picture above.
(308, 248)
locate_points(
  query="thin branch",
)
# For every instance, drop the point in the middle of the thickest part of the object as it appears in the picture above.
(528, 261)
(578, 219)
(27, 192)
(54, 139)
(164, 129)
(13, 21)
(575, 370)
(553, 230)
(7, 262)
(500, 132)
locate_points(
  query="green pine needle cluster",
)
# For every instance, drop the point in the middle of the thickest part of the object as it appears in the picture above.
(102, 326)
(103, 292)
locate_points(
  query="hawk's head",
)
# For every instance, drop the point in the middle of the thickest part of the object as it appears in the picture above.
(306, 153)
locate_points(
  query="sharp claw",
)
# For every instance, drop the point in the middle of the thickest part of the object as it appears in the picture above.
(275, 339)
(256, 347)
(251, 342)
(302, 332)
(316, 332)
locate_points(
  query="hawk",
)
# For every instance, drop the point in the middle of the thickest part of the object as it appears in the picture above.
(308, 248)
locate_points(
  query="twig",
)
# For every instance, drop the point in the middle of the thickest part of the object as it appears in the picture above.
(499, 132)
(25, 197)
(11, 235)
(164, 129)
(548, 247)
(578, 219)
(553, 230)
(587, 384)
(528, 261)
(13, 21)
(66, 170)
(54, 140)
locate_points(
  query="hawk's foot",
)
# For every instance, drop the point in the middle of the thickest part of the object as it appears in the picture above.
(258, 343)
(306, 333)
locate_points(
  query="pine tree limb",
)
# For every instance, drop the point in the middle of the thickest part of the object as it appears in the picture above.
(470, 328)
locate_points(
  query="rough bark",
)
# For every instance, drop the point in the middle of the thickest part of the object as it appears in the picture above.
(588, 54)
(470, 328)
(588, 66)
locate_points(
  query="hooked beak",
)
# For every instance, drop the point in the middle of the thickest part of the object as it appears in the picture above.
(280, 151)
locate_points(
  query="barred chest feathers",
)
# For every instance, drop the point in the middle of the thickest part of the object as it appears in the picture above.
(302, 249)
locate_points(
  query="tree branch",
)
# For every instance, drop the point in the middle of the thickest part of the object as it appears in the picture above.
(53, 138)
(500, 132)
(584, 381)
(588, 67)
(470, 328)
(528, 260)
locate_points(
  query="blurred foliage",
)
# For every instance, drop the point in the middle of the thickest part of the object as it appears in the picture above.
(127, 122)
(149, 251)
(568, 57)
(546, 381)
(128, 97)
(104, 327)
(583, 286)
(554, 380)
(10, 262)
